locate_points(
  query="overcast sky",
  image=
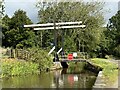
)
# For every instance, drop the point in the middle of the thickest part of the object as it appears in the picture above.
(29, 6)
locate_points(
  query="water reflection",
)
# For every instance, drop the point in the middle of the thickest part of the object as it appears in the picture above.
(55, 79)
(62, 79)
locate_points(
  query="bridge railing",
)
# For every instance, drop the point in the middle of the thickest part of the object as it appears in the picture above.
(80, 55)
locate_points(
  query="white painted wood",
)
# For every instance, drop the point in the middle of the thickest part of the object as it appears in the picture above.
(37, 25)
(52, 24)
(59, 51)
(51, 50)
(61, 27)
(45, 28)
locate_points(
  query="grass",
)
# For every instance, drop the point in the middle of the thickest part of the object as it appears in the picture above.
(110, 69)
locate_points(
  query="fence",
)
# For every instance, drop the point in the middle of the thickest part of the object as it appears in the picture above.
(17, 53)
(26, 55)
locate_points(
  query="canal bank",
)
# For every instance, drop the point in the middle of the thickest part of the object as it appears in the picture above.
(108, 77)
(62, 78)
(75, 75)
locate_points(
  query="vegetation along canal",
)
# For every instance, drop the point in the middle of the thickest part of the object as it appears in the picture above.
(72, 77)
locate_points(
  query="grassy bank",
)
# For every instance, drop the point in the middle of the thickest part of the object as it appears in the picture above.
(110, 69)
(13, 67)
(37, 60)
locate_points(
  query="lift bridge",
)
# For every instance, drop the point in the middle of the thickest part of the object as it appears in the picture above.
(55, 26)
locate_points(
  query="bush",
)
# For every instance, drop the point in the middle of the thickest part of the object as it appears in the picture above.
(41, 57)
(116, 51)
(93, 55)
(12, 67)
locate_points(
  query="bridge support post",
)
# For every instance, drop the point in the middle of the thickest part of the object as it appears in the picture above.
(64, 64)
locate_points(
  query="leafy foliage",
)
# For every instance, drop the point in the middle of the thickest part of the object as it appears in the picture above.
(41, 57)
(1, 9)
(14, 35)
(113, 34)
(95, 40)
(12, 67)
(90, 13)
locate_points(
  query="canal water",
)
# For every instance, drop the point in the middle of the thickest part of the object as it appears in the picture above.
(63, 78)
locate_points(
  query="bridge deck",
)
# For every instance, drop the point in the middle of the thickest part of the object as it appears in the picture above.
(74, 60)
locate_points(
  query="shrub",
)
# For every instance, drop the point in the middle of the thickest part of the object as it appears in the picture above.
(41, 57)
(13, 67)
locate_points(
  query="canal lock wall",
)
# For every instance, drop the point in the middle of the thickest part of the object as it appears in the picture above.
(88, 66)
(99, 82)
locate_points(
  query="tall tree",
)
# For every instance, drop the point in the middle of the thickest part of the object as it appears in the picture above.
(1, 15)
(1, 8)
(91, 13)
(15, 34)
(5, 27)
(113, 34)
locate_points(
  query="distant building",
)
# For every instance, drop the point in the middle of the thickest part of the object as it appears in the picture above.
(119, 5)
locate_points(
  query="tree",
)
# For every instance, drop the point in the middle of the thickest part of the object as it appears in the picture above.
(15, 34)
(1, 15)
(91, 13)
(113, 34)
(5, 27)
(1, 9)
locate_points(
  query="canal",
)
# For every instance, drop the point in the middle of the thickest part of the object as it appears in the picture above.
(71, 77)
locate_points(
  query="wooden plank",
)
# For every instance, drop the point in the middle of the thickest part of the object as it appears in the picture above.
(74, 60)
(52, 24)
(61, 27)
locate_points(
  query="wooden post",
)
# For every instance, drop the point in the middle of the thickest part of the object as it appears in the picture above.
(23, 54)
(10, 52)
(27, 55)
(13, 53)
(16, 53)
(41, 39)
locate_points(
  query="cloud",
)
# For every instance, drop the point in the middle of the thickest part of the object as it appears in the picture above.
(12, 5)
(29, 6)
(19, 1)
(78, 0)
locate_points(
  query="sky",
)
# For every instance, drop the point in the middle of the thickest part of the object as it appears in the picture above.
(29, 6)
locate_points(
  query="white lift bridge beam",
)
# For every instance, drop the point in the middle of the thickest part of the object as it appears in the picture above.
(52, 24)
(55, 26)
(61, 27)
